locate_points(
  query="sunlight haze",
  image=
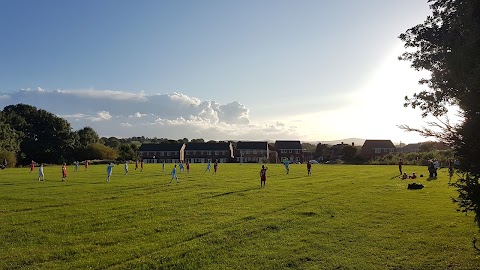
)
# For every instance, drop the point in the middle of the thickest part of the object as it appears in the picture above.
(223, 70)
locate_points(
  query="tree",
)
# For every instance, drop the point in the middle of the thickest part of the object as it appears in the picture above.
(349, 152)
(448, 44)
(44, 137)
(9, 138)
(320, 147)
(87, 136)
(128, 151)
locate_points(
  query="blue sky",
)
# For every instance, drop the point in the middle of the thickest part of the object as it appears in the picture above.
(308, 70)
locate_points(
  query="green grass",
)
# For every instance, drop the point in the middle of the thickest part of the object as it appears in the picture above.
(342, 217)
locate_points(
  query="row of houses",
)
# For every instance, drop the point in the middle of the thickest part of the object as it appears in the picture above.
(245, 151)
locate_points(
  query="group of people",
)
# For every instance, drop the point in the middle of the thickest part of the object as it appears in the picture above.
(433, 167)
(41, 173)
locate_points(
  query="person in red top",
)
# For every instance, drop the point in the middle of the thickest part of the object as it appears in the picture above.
(64, 171)
(309, 168)
(32, 166)
(263, 176)
(86, 165)
(215, 166)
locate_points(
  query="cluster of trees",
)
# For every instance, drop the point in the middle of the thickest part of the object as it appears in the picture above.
(447, 44)
(28, 133)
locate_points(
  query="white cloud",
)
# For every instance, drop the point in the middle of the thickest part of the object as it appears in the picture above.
(125, 114)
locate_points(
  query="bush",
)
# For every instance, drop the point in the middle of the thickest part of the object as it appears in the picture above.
(9, 156)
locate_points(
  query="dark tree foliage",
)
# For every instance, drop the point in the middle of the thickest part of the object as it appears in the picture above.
(43, 136)
(8, 136)
(448, 45)
(87, 136)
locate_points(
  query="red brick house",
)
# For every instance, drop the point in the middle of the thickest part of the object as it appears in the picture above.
(252, 152)
(194, 152)
(205, 152)
(289, 150)
(159, 153)
(374, 149)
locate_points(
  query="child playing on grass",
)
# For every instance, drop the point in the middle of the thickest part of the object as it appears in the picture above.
(174, 174)
(64, 171)
(287, 166)
(109, 171)
(208, 167)
(263, 176)
(40, 173)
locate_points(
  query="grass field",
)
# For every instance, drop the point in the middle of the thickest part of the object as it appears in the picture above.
(342, 217)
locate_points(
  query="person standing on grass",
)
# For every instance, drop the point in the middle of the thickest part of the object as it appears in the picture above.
(309, 168)
(450, 169)
(32, 166)
(141, 165)
(180, 166)
(163, 166)
(40, 173)
(5, 163)
(86, 165)
(215, 167)
(263, 176)
(174, 174)
(400, 164)
(187, 165)
(436, 166)
(208, 167)
(136, 164)
(76, 166)
(126, 167)
(64, 171)
(287, 165)
(109, 170)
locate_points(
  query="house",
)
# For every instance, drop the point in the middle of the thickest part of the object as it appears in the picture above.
(160, 152)
(375, 149)
(252, 152)
(193, 153)
(210, 151)
(413, 147)
(289, 150)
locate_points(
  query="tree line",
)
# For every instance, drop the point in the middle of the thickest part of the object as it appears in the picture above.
(28, 133)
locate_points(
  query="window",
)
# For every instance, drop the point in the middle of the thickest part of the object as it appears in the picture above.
(297, 151)
(378, 150)
(254, 151)
(209, 152)
(217, 153)
(289, 150)
(248, 151)
(194, 152)
(385, 150)
(283, 151)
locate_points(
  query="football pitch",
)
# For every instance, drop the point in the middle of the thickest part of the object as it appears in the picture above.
(341, 217)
